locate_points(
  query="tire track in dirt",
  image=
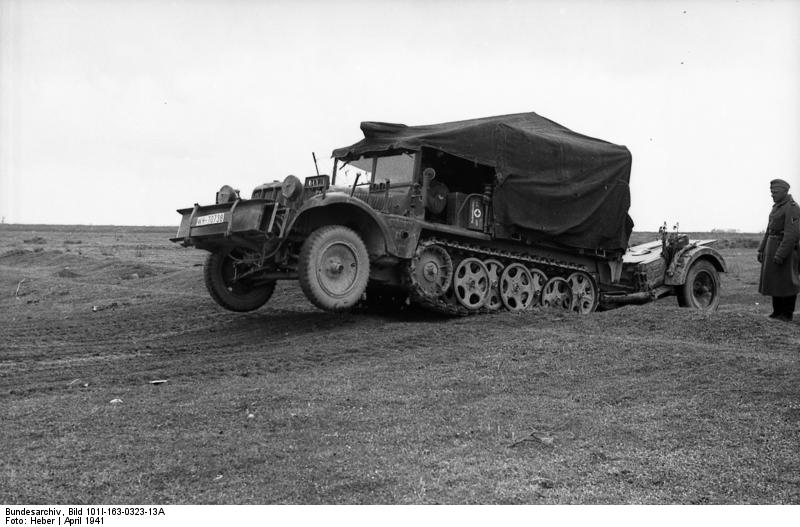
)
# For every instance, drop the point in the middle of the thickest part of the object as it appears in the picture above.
(118, 320)
(163, 323)
(151, 339)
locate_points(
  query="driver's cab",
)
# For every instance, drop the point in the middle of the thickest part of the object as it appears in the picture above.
(456, 191)
(383, 180)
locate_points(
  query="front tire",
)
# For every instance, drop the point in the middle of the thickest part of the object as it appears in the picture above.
(701, 289)
(333, 268)
(220, 272)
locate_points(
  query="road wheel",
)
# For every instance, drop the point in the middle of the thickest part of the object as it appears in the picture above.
(539, 280)
(493, 301)
(557, 294)
(584, 292)
(516, 287)
(701, 289)
(221, 272)
(333, 268)
(471, 283)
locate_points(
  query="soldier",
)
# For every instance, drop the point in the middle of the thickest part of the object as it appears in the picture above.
(779, 253)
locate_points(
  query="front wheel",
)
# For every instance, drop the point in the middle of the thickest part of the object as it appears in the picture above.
(333, 268)
(701, 289)
(221, 273)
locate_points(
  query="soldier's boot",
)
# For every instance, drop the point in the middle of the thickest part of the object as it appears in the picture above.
(789, 304)
(786, 308)
(776, 307)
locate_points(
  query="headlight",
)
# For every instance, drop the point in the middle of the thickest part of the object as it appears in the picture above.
(227, 194)
(291, 188)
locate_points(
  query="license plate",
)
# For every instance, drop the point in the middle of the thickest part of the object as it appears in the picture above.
(210, 219)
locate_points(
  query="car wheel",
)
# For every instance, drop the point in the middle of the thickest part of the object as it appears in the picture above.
(333, 268)
(221, 272)
(701, 289)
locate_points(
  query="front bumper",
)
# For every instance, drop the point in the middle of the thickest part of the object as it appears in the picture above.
(213, 224)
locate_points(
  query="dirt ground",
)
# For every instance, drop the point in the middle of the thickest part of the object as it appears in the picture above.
(288, 404)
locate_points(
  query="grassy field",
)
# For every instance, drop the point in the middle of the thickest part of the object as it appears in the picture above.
(648, 404)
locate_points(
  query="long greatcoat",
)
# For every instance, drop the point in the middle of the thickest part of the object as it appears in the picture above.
(781, 239)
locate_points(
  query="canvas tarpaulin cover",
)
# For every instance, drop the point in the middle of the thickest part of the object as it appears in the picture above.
(552, 183)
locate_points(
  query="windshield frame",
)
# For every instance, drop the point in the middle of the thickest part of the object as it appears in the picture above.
(341, 162)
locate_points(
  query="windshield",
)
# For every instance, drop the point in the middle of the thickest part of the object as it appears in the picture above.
(398, 169)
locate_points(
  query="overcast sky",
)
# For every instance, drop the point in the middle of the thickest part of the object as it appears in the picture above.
(119, 112)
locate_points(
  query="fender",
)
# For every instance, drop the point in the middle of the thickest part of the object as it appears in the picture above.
(382, 233)
(679, 267)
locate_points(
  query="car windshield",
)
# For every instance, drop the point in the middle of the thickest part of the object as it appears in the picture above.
(398, 169)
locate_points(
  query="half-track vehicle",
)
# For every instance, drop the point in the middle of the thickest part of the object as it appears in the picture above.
(506, 212)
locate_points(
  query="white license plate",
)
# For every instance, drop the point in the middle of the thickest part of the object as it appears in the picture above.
(219, 217)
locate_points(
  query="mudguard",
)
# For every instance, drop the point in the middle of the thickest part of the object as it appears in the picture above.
(384, 233)
(683, 260)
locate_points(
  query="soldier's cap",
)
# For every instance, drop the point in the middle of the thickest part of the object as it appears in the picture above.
(779, 183)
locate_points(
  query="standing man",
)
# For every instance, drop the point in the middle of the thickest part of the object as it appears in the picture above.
(779, 253)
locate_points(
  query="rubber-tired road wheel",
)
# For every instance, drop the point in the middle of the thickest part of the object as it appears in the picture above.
(584, 292)
(516, 287)
(701, 289)
(220, 272)
(557, 294)
(471, 283)
(495, 268)
(333, 268)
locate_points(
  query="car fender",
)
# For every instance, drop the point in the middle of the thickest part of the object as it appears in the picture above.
(684, 259)
(382, 233)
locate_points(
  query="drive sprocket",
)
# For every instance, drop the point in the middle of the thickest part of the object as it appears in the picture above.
(430, 271)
